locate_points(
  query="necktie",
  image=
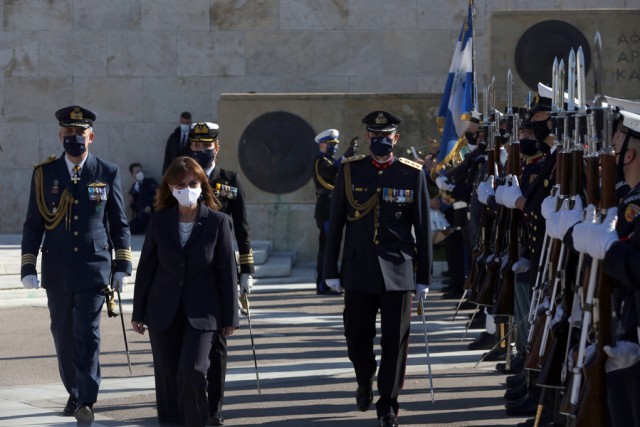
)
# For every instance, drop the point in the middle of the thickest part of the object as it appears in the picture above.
(76, 174)
(184, 140)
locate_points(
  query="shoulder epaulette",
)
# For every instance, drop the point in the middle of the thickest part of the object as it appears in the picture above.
(354, 158)
(50, 159)
(411, 163)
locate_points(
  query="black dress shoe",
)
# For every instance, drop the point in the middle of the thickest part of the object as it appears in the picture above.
(388, 421)
(495, 355)
(524, 407)
(484, 342)
(516, 366)
(516, 379)
(70, 407)
(516, 393)
(84, 414)
(364, 397)
(216, 419)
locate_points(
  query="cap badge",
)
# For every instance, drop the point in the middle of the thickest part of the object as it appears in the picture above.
(381, 119)
(76, 114)
(201, 128)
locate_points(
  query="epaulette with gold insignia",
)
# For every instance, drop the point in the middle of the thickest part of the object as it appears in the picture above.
(50, 159)
(354, 158)
(411, 163)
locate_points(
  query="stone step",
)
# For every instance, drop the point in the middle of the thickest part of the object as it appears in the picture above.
(276, 266)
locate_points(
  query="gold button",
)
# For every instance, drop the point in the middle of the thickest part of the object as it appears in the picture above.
(534, 238)
(75, 249)
(379, 172)
(535, 228)
(75, 217)
(376, 242)
(75, 202)
(75, 233)
(378, 190)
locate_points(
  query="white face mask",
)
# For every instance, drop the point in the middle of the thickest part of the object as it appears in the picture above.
(140, 176)
(187, 197)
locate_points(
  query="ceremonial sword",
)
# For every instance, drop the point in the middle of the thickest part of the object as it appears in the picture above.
(244, 301)
(426, 344)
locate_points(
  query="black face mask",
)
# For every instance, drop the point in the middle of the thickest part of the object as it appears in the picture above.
(74, 145)
(331, 150)
(472, 138)
(540, 130)
(528, 147)
(204, 158)
(381, 146)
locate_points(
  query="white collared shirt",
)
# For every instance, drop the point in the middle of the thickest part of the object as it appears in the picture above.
(70, 165)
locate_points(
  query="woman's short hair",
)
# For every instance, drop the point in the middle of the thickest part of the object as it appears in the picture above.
(176, 171)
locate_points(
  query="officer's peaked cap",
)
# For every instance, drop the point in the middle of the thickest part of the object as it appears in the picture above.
(329, 135)
(75, 116)
(381, 121)
(203, 132)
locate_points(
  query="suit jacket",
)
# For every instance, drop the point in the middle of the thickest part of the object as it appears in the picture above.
(201, 277)
(76, 253)
(380, 251)
(228, 190)
(174, 148)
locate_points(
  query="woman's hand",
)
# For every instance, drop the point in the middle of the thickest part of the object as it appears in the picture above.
(228, 330)
(138, 327)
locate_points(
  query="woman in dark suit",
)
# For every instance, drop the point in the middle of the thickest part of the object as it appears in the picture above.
(185, 291)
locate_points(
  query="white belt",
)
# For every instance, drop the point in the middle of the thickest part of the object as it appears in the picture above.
(459, 205)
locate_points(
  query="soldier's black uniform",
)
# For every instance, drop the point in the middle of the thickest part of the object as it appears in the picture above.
(380, 205)
(324, 176)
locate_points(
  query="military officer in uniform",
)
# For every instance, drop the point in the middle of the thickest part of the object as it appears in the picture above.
(76, 202)
(204, 145)
(380, 200)
(325, 170)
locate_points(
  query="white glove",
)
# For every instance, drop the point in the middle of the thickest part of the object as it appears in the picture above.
(119, 281)
(504, 260)
(553, 221)
(570, 217)
(442, 183)
(485, 190)
(421, 291)
(334, 284)
(549, 205)
(512, 193)
(246, 282)
(500, 194)
(580, 231)
(31, 281)
(521, 266)
(602, 236)
(623, 355)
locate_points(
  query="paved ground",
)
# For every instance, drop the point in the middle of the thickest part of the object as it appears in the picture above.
(305, 376)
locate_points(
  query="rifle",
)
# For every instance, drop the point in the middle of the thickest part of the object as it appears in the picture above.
(591, 402)
(505, 303)
(551, 374)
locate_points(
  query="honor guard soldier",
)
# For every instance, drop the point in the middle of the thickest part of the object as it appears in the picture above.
(204, 145)
(380, 200)
(76, 203)
(325, 170)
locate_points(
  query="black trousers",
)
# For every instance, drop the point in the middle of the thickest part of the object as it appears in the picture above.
(180, 363)
(323, 226)
(217, 373)
(75, 326)
(359, 317)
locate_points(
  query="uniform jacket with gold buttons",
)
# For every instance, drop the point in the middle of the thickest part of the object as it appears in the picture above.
(81, 223)
(381, 212)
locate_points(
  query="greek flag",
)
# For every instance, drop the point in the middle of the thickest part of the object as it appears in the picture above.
(457, 99)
